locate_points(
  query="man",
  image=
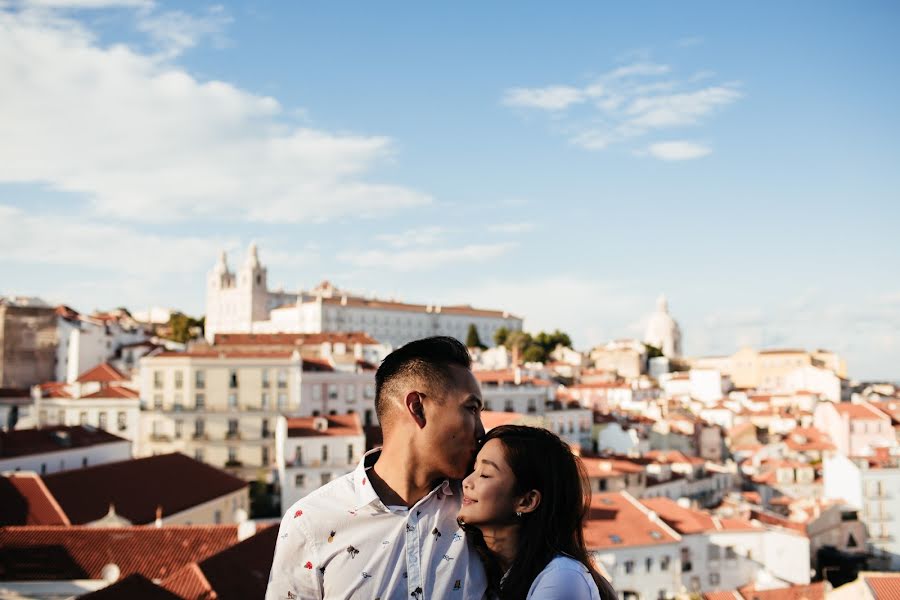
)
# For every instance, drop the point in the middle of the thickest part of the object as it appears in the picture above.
(388, 530)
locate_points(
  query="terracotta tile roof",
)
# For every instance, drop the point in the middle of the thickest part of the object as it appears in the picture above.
(772, 519)
(507, 376)
(293, 339)
(599, 467)
(189, 582)
(54, 389)
(804, 439)
(883, 586)
(722, 595)
(783, 351)
(104, 373)
(495, 418)
(687, 521)
(27, 501)
(861, 412)
(226, 354)
(616, 520)
(673, 456)
(402, 306)
(335, 425)
(24, 442)
(242, 571)
(114, 391)
(79, 552)
(137, 487)
(313, 365)
(133, 587)
(812, 591)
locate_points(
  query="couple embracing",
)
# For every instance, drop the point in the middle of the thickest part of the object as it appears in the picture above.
(441, 510)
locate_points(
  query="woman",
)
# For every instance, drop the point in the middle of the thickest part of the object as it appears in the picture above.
(524, 505)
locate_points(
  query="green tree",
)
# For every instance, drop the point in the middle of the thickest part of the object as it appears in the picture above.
(183, 328)
(500, 336)
(534, 353)
(652, 351)
(472, 339)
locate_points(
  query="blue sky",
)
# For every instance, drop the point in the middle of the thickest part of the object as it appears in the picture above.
(567, 163)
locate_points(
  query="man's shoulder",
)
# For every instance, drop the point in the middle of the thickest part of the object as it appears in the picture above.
(335, 497)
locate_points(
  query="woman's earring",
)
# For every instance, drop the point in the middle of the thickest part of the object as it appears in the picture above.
(518, 513)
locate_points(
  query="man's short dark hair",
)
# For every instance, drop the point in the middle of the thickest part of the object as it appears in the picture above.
(429, 359)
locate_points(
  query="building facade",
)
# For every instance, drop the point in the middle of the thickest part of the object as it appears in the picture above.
(241, 302)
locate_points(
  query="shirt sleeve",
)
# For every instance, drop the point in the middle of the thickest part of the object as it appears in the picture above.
(562, 584)
(295, 573)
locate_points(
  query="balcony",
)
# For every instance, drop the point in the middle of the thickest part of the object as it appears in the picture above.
(160, 437)
(234, 463)
(233, 435)
(200, 436)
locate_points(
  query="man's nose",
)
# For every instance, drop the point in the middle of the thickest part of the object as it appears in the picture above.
(479, 430)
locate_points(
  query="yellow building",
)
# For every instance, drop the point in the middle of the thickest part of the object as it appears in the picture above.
(769, 369)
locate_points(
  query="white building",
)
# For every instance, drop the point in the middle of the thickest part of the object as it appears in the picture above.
(241, 302)
(311, 451)
(819, 380)
(663, 331)
(873, 487)
(60, 448)
(85, 342)
(101, 397)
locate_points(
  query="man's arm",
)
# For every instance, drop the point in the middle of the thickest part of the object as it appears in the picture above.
(295, 573)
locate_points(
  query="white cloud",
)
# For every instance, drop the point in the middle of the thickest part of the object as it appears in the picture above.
(420, 259)
(142, 139)
(91, 4)
(511, 228)
(678, 150)
(627, 103)
(175, 31)
(689, 42)
(416, 237)
(555, 97)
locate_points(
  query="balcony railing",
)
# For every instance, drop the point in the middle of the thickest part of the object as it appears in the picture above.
(233, 435)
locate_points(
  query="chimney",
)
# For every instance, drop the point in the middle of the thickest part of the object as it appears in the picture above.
(517, 375)
(158, 522)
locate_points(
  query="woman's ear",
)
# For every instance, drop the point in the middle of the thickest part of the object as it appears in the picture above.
(528, 502)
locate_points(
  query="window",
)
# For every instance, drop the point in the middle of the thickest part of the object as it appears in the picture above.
(367, 417)
(713, 552)
(299, 480)
(200, 379)
(84, 462)
(178, 402)
(179, 380)
(351, 392)
(298, 456)
(265, 378)
(82, 418)
(200, 401)
(157, 401)
(265, 456)
(324, 452)
(369, 390)
(179, 428)
(232, 401)
(217, 517)
(42, 417)
(265, 428)
(264, 401)
(714, 579)
(232, 379)
(232, 428)
(649, 563)
(508, 405)
(198, 454)
(282, 400)
(686, 559)
(232, 455)
(282, 378)
(101, 420)
(157, 380)
(326, 477)
(332, 391)
(351, 455)
(664, 563)
(199, 428)
(629, 567)
(121, 421)
(532, 405)
(730, 554)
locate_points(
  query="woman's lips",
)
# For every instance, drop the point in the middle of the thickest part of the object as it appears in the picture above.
(467, 501)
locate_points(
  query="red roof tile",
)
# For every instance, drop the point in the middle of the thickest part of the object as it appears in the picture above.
(812, 591)
(134, 587)
(617, 520)
(79, 552)
(861, 412)
(24, 442)
(104, 373)
(495, 418)
(883, 586)
(189, 582)
(27, 501)
(225, 354)
(114, 391)
(686, 520)
(54, 389)
(334, 425)
(293, 339)
(137, 487)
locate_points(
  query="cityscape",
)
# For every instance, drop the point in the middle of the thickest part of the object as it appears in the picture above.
(665, 233)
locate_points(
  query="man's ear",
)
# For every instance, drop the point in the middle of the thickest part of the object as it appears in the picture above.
(528, 502)
(415, 408)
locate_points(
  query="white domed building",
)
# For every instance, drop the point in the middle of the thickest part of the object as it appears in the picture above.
(662, 330)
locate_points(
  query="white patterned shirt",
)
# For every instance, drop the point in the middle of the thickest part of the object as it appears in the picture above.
(341, 541)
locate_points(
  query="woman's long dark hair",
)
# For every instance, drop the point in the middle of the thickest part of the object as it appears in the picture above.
(541, 461)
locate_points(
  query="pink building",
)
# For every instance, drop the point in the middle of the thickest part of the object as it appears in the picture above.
(855, 428)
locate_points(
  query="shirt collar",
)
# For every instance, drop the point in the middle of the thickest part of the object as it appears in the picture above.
(365, 494)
